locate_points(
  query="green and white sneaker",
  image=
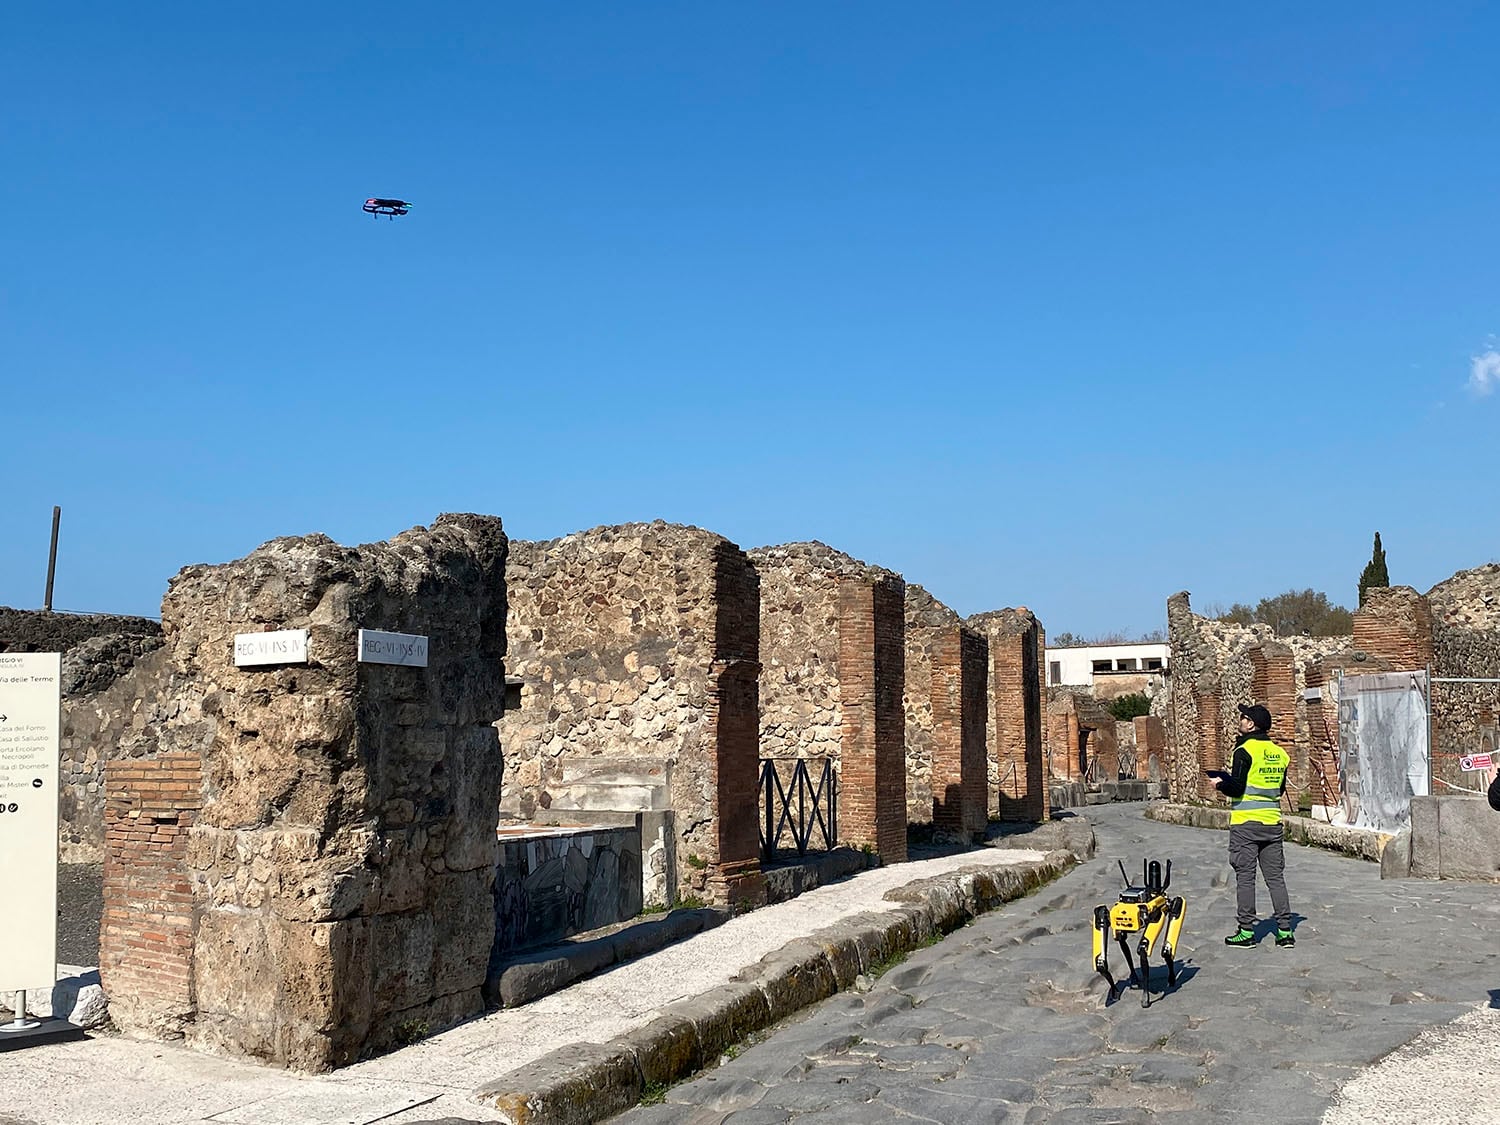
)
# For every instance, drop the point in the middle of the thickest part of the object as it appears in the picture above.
(1285, 937)
(1241, 936)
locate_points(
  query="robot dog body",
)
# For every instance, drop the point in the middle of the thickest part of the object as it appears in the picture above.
(1145, 910)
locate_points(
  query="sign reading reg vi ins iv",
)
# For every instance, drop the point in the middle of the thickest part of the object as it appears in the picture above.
(30, 712)
(377, 647)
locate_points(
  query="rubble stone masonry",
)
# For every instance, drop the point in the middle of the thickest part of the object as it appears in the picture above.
(1216, 666)
(113, 670)
(340, 838)
(638, 651)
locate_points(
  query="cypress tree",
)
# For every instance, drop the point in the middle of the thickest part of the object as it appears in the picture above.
(1374, 573)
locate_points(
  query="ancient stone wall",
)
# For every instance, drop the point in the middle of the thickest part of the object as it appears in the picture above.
(35, 630)
(112, 674)
(340, 846)
(1465, 619)
(1218, 665)
(1016, 734)
(637, 647)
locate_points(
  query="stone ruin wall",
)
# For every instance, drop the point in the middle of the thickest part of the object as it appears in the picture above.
(801, 714)
(1217, 665)
(113, 671)
(637, 650)
(1465, 643)
(303, 869)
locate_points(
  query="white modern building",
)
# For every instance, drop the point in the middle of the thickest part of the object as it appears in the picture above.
(1077, 667)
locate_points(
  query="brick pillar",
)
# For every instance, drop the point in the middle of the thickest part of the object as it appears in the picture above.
(1209, 741)
(1273, 683)
(1323, 741)
(872, 674)
(1150, 745)
(959, 669)
(734, 722)
(146, 934)
(1019, 741)
(1395, 624)
(735, 717)
(1104, 748)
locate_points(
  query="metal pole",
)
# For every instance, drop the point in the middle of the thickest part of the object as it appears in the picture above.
(52, 557)
(21, 1022)
(1430, 774)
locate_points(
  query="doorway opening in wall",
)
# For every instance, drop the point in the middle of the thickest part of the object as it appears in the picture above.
(799, 805)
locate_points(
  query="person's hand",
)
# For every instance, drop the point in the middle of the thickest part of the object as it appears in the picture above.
(1489, 776)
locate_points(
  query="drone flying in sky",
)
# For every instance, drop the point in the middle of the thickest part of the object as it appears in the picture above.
(390, 208)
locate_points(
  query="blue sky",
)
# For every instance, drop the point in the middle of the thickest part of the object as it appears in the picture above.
(1069, 306)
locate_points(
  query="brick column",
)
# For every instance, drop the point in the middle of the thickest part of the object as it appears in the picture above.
(1020, 757)
(1104, 748)
(146, 934)
(1323, 737)
(1150, 745)
(958, 758)
(1395, 624)
(735, 722)
(1209, 742)
(872, 673)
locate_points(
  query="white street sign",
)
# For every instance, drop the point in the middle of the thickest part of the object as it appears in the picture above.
(285, 646)
(376, 647)
(30, 713)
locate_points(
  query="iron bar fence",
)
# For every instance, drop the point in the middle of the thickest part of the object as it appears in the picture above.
(804, 803)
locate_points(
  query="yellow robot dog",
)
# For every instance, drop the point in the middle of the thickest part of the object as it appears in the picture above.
(1144, 910)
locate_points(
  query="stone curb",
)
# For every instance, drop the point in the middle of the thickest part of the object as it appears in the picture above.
(1362, 843)
(540, 972)
(587, 1082)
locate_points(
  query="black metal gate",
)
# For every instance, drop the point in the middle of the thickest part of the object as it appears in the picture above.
(804, 803)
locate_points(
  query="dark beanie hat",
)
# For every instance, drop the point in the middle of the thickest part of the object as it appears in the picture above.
(1257, 715)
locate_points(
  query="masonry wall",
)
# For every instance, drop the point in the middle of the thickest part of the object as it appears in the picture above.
(341, 844)
(1465, 621)
(1218, 665)
(112, 673)
(638, 651)
(1016, 735)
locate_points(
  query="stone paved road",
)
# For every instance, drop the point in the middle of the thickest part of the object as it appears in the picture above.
(1004, 1021)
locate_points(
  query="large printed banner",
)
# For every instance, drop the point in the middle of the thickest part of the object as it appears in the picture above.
(30, 710)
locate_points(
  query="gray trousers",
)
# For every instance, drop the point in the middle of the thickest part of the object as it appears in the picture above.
(1258, 844)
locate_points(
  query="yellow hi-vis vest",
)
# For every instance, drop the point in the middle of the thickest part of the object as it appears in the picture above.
(1261, 803)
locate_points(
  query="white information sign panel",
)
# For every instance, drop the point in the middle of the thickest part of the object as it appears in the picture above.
(30, 713)
(285, 646)
(376, 647)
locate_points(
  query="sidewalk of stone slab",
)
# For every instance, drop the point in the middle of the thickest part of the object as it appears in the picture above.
(584, 1052)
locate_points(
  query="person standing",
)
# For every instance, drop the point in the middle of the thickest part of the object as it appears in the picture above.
(1254, 783)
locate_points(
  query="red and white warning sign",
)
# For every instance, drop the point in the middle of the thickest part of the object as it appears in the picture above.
(1471, 763)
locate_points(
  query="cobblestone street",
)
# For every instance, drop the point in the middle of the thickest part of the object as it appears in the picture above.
(1005, 1020)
